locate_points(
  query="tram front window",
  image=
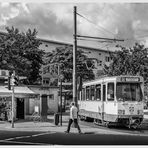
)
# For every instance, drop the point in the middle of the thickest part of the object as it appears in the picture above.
(129, 92)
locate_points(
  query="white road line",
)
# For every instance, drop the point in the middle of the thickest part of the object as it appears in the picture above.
(17, 142)
(21, 137)
(43, 134)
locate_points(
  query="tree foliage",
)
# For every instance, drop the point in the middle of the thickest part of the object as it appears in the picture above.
(133, 61)
(20, 51)
(64, 56)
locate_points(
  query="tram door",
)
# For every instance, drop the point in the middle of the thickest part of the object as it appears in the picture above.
(103, 100)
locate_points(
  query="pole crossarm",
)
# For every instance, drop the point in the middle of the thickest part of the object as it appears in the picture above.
(100, 38)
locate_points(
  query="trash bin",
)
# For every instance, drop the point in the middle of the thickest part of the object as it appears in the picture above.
(56, 118)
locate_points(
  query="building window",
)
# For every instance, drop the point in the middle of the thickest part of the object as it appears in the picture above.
(3, 73)
(46, 45)
(107, 59)
(99, 63)
(51, 97)
(45, 81)
(99, 53)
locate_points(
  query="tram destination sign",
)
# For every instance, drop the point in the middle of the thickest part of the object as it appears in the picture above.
(130, 79)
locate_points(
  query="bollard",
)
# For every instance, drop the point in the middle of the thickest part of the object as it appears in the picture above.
(56, 118)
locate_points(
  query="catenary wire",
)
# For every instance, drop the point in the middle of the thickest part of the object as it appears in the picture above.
(99, 27)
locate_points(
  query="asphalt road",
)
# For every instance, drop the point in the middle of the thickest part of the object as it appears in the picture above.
(47, 138)
(125, 137)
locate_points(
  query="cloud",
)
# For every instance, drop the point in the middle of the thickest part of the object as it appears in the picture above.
(55, 20)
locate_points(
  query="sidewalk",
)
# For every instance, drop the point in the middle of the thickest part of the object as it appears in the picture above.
(49, 126)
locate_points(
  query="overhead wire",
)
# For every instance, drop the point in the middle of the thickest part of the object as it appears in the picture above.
(94, 40)
(99, 27)
(138, 38)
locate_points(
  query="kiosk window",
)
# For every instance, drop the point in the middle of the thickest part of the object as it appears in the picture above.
(110, 91)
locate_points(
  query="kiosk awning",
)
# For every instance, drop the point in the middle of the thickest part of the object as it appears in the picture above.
(19, 91)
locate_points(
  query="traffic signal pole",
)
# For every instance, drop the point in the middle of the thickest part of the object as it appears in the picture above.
(74, 58)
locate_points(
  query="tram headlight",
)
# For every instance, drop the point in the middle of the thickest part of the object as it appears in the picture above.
(121, 112)
(139, 112)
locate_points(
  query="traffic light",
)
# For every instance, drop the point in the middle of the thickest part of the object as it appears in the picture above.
(9, 80)
(16, 80)
(9, 83)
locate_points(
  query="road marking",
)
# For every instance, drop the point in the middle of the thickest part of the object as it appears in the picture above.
(21, 137)
(17, 142)
(43, 134)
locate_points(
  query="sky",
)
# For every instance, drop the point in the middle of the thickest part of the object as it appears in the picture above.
(54, 21)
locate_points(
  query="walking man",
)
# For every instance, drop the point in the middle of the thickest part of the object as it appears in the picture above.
(73, 118)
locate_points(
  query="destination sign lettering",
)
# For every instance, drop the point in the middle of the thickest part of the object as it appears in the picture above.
(130, 79)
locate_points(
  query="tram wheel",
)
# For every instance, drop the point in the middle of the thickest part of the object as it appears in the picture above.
(98, 122)
(109, 124)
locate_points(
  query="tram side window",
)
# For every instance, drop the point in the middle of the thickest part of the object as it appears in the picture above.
(110, 92)
(92, 92)
(87, 93)
(98, 92)
(83, 94)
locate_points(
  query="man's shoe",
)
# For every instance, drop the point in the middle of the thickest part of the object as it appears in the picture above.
(66, 132)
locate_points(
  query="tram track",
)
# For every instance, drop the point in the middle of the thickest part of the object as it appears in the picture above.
(125, 130)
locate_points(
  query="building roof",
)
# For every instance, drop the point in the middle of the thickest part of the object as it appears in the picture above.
(20, 92)
(70, 44)
(65, 43)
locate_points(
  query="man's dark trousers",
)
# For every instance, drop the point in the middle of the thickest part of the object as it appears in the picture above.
(75, 124)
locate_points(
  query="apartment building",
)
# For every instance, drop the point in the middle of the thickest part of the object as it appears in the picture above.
(102, 56)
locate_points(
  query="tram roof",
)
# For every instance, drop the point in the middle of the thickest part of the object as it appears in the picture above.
(110, 79)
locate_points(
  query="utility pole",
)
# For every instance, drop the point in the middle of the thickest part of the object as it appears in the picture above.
(75, 58)
(75, 53)
(12, 82)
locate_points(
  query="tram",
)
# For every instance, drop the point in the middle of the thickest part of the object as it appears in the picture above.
(116, 100)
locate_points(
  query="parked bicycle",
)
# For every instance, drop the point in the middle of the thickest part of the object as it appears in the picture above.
(36, 117)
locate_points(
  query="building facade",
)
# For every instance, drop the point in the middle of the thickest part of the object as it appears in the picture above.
(27, 99)
(46, 99)
(102, 56)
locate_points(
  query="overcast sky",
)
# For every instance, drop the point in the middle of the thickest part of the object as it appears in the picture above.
(54, 21)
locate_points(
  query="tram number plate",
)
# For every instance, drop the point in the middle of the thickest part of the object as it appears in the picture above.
(131, 109)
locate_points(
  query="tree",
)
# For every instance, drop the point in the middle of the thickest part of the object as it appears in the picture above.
(133, 61)
(20, 52)
(64, 56)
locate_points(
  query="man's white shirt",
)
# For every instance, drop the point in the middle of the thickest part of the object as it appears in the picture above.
(73, 112)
